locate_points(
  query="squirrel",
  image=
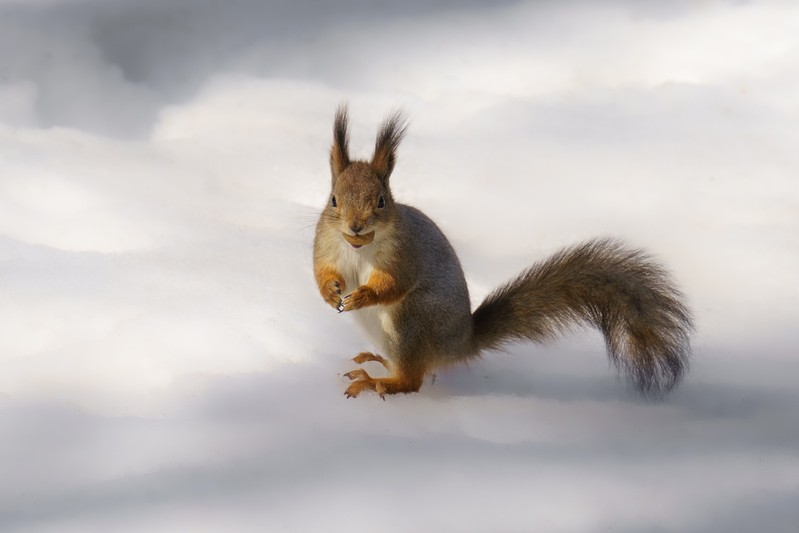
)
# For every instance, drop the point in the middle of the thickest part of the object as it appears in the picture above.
(393, 268)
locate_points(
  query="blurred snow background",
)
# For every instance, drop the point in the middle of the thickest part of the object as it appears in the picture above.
(166, 363)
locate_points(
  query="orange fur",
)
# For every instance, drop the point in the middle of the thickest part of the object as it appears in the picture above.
(364, 357)
(397, 382)
(381, 289)
(330, 283)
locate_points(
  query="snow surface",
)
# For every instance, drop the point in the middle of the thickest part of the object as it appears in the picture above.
(167, 365)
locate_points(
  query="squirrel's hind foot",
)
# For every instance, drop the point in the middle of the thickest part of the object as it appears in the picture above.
(364, 357)
(393, 384)
(363, 381)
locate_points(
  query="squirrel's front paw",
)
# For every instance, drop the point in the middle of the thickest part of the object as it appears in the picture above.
(332, 293)
(360, 297)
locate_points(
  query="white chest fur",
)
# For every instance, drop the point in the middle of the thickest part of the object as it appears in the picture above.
(355, 265)
(376, 321)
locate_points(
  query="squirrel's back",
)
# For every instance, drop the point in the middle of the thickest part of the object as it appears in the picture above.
(437, 308)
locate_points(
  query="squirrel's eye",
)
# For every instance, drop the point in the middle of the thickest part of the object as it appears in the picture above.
(333, 202)
(381, 202)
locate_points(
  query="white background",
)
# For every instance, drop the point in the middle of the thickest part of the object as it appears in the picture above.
(167, 365)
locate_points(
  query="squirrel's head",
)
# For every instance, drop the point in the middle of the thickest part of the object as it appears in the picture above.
(360, 201)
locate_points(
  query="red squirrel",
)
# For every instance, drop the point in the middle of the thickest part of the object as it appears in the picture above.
(392, 267)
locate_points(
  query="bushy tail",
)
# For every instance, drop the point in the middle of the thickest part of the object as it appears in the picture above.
(620, 291)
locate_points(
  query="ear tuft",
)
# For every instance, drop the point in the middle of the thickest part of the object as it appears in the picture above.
(391, 132)
(339, 152)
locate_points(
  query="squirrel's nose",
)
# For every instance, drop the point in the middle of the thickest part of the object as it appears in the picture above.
(356, 228)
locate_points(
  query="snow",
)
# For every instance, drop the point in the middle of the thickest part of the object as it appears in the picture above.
(166, 363)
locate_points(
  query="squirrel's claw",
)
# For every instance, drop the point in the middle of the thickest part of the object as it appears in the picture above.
(331, 292)
(380, 389)
(357, 299)
(360, 381)
(355, 388)
(345, 303)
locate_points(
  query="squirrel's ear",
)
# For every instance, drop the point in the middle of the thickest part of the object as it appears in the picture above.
(339, 152)
(388, 138)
